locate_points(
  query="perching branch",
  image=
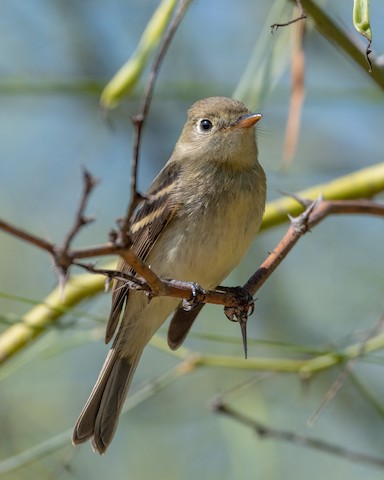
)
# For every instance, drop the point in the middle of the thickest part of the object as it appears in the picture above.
(236, 301)
(231, 298)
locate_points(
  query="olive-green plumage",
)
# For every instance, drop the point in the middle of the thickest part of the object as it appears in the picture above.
(197, 221)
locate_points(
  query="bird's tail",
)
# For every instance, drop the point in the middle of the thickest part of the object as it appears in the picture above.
(99, 417)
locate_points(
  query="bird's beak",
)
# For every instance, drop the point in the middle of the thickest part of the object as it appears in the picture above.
(246, 121)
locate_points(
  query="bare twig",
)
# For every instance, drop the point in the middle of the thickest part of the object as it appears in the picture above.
(27, 237)
(130, 280)
(302, 16)
(327, 27)
(339, 382)
(89, 182)
(264, 431)
(61, 256)
(140, 117)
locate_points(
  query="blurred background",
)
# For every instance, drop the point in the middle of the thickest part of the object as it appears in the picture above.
(55, 58)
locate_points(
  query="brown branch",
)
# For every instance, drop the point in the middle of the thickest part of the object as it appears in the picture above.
(314, 214)
(236, 300)
(157, 286)
(264, 431)
(139, 119)
(89, 183)
(61, 255)
(27, 237)
(130, 280)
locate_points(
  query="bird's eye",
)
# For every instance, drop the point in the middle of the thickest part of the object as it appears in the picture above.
(205, 124)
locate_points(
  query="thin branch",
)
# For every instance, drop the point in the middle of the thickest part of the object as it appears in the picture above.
(89, 182)
(27, 237)
(130, 280)
(264, 431)
(61, 255)
(302, 16)
(139, 119)
(319, 210)
(336, 35)
(341, 379)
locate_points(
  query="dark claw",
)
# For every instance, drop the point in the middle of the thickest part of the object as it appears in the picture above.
(198, 295)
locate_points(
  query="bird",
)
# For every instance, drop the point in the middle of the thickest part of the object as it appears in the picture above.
(196, 222)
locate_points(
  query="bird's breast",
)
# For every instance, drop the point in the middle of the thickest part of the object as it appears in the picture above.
(209, 238)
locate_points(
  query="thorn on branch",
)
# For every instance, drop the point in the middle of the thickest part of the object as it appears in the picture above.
(62, 261)
(89, 181)
(300, 223)
(138, 119)
(305, 202)
(63, 277)
(113, 236)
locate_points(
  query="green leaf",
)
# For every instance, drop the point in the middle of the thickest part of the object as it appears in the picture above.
(361, 18)
(126, 78)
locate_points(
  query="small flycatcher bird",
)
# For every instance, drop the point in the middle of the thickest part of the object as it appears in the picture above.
(197, 221)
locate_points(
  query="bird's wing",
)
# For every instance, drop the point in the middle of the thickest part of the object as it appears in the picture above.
(149, 221)
(180, 325)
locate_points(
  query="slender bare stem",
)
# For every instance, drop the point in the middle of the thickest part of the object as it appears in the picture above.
(264, 431)
(140, 117)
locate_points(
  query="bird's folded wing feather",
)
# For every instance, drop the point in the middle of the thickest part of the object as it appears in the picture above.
(150, 220)
(180, 325)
